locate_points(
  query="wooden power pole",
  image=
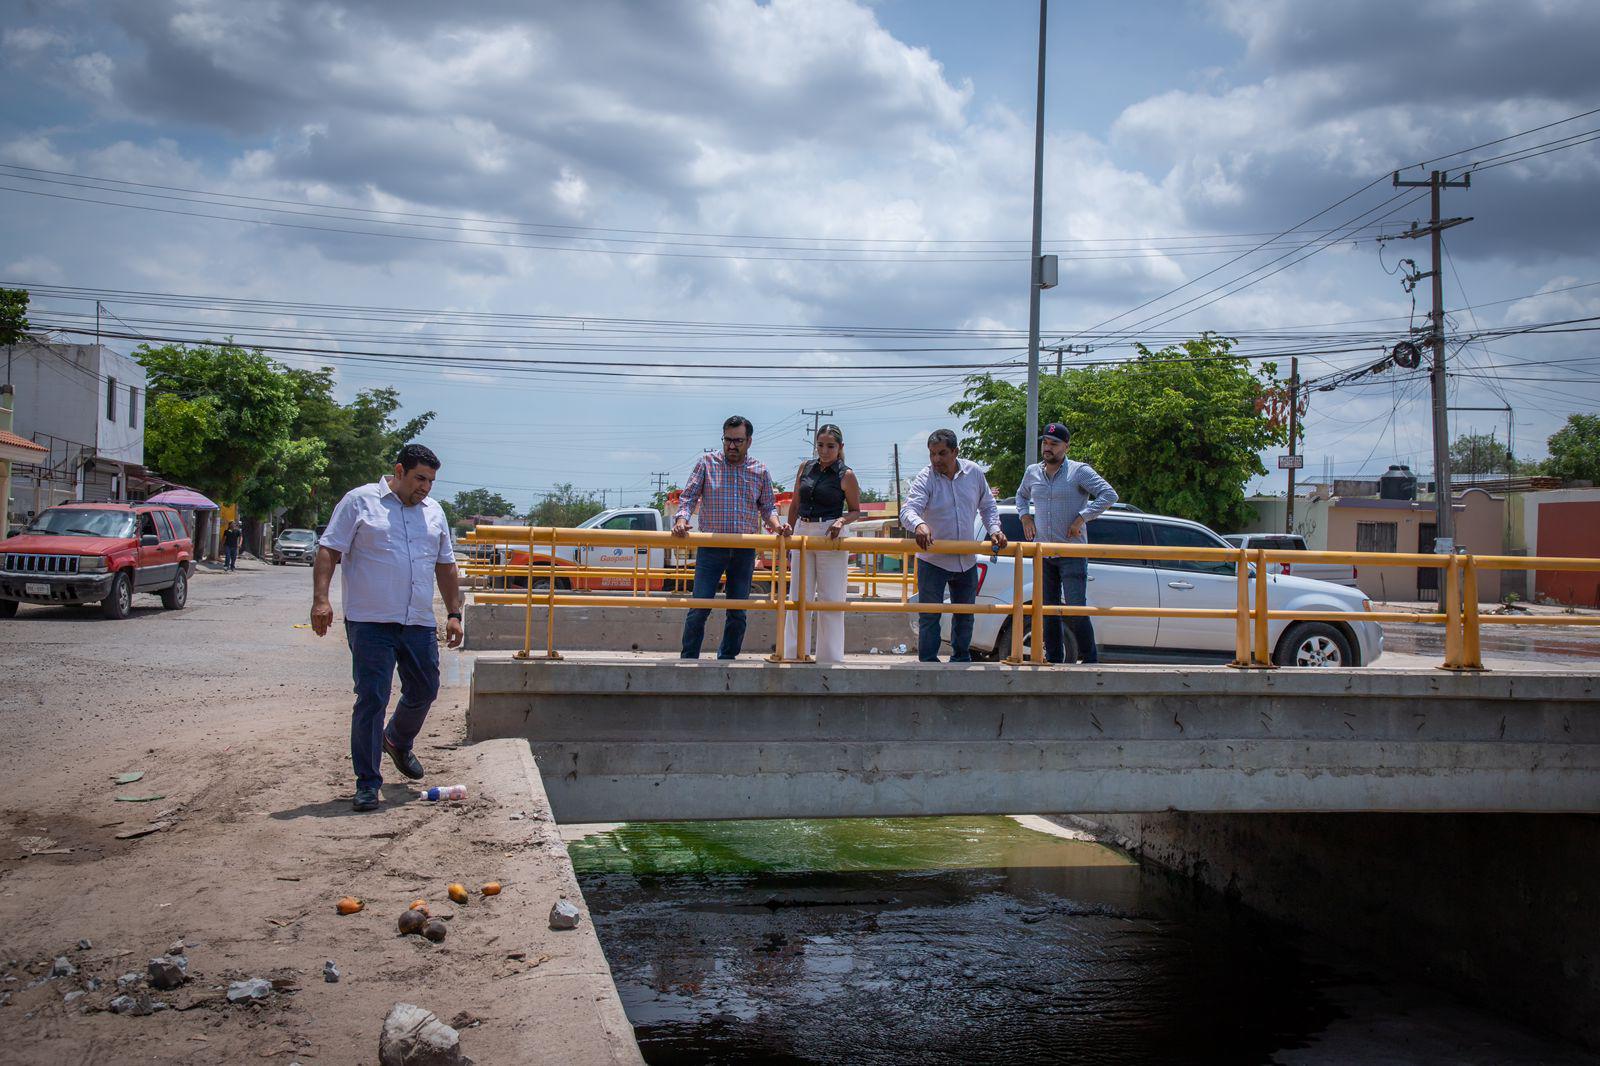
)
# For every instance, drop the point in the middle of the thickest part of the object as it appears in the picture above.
(1444, 523)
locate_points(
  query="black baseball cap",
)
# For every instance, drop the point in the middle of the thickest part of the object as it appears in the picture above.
(1058, 431)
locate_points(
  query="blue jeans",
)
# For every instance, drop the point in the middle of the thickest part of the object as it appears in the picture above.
(376, 648)
(230, 554)
(1066, 581)
(932, 581)
(710, 564)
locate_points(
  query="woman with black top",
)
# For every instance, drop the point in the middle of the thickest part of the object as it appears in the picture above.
(826, 499)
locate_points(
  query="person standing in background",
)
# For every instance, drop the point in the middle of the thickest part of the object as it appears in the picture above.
(1067, 496)
(827, 498)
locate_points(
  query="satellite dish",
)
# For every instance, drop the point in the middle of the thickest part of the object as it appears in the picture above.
(1406, 355)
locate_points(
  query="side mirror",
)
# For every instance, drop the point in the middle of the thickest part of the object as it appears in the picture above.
(149, 540)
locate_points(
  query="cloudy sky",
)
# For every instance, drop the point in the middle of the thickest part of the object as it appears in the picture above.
(584, 233)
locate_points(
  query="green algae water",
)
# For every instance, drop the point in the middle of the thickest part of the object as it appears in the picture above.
(979, 940)
(948, 940)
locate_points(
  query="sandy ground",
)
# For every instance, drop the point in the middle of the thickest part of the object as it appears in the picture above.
(240, 722)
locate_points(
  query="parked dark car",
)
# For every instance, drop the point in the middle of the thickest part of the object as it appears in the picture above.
(97, 553)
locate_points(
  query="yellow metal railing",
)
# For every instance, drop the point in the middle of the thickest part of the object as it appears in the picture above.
(1250, 615)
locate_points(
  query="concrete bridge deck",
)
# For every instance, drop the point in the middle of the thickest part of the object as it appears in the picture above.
(628, 738)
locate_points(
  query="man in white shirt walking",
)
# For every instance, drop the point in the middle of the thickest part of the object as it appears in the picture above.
(394, 544)
(945, 498)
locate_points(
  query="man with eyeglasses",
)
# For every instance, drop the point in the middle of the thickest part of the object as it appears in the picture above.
(733, 494)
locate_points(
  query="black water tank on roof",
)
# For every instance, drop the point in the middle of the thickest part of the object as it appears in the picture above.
(1398, 483)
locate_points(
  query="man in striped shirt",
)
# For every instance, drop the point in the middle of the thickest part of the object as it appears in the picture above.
(733, 494)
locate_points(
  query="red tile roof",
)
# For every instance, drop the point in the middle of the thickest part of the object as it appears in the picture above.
(8, 437)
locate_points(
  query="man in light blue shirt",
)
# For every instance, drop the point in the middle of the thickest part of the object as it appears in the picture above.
(945, 498)
(1066, 496)
(394, 546)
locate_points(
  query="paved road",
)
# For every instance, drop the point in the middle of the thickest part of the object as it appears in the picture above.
(1552, 647)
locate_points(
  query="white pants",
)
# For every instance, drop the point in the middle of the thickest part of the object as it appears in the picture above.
(826, 576)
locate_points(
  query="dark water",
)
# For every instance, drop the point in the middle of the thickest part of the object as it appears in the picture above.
(932, 941)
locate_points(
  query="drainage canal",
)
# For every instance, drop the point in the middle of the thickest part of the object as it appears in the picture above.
(969, 940)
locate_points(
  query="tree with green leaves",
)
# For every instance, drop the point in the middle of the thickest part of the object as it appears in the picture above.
(216, 414)
(872, 496)
(13, 315)
(1176, 431)
(1575, 450)
(469, 502)
(566, 506)
(1481, 453)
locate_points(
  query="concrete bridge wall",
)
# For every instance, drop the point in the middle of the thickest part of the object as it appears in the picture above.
(651, 740)
(1500, 908)
(499, 627)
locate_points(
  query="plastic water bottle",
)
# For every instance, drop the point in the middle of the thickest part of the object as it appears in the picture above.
(446, 792)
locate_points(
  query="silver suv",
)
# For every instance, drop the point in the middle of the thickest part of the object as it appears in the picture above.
(1174, 583)
(295, 546)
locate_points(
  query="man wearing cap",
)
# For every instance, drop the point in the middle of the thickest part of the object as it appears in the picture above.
(1066, 496)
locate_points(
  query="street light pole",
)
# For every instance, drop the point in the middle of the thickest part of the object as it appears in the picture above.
(1030, 445)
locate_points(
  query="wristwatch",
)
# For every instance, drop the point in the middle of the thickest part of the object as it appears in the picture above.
(454, 614)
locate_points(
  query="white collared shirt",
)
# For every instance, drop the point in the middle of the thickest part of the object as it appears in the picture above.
(948, 506)
(388, 554)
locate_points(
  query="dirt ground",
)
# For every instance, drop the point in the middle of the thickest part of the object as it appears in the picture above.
(239, 719)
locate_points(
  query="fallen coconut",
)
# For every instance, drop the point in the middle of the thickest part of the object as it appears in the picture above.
(434, 930)
(412, 921)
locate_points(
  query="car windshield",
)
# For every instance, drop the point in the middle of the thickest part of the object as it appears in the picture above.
(298, 536)
(83, 522)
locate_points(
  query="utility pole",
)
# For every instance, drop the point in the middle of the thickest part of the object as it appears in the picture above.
(1294, 426)
(816, 419)
(1444, 520)
(661, 490)
(1070, 349)
(1030, 431)
(897, 504)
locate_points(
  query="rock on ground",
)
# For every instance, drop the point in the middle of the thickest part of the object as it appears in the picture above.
(413, 1036)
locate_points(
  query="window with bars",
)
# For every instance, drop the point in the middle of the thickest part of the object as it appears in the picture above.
(1376, 537)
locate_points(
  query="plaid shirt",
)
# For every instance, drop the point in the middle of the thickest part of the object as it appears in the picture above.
(731, 499)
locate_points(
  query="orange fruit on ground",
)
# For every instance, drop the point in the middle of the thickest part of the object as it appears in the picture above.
(420, 905)
(349, 905)
(492, 888)
(458, 893)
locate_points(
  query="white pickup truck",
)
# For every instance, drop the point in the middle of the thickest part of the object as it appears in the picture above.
(1293, 542)
(598, 556)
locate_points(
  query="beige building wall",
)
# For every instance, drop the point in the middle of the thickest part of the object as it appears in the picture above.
(1480, 529)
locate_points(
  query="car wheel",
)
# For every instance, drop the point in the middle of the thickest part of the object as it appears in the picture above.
(1314, 644)
(1002, 643)
(177, 594)
(542, 584)
(119, 604)
(8, 608)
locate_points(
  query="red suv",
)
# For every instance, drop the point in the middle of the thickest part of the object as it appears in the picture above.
(105, 552)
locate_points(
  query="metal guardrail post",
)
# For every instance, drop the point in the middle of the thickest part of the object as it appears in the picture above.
(1472, 656)
(802, 651)
(1242, 657)
(527, 619)
(1015, 658)
(550, 602)
(1454, 653)
(780, 568)
(906, 562)
(1262, 652)
(1037, 650)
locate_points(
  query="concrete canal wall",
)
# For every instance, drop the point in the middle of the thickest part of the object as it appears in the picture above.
(1501, 908)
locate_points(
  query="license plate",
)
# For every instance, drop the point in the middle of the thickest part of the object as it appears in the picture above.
(36, 588)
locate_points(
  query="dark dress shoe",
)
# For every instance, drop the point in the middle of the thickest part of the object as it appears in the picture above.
(404, 761)
(366, 799)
